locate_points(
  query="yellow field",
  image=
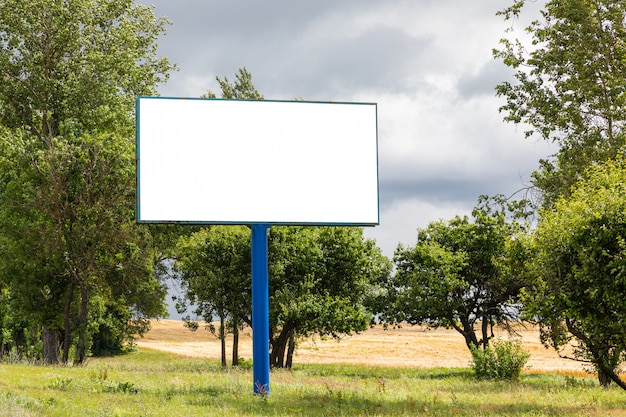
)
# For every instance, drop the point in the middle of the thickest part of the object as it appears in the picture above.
(410, 346)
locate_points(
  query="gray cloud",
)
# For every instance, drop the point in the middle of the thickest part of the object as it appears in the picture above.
(379, 58)
(485, 80)
(291, 48)
(447, 190)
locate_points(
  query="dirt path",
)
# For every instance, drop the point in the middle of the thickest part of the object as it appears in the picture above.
(410, 346)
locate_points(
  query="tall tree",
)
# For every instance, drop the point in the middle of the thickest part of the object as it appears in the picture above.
(214, 265)
(570, 90)
(76, 66)
(569, 86)
(460, 274)
(319, 277)
(68, 216)
(70, 73)
(580, 271)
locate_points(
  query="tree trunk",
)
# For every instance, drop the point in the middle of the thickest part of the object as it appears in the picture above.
(235, 345)
(485, 332)
(51, 344)
(603, 379)
(606, 375)
(81, 346)
(67, 322)
(222, 333)
(290, 349)
(279, 346)
(467, 331)
(606, 372)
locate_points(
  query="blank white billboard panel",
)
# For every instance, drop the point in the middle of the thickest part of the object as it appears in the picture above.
(243, 162)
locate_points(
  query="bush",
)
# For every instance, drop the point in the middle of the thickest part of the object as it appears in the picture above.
(505, 360)
(245, 363)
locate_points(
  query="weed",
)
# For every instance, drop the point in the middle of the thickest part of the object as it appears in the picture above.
(60, 384)
(104, 374)
(261, 390)
(101, 374)
(123, 387)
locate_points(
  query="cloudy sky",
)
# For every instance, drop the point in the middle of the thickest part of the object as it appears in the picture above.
(427, 63)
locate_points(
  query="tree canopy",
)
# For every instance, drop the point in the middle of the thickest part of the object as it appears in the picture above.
(79, 267)
(569, 89)
(569, 86)
(68, 225)
(580, 270)
(460, 274)
(77, 66)
(320, 278)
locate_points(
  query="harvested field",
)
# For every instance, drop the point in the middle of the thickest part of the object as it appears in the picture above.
(410, 346)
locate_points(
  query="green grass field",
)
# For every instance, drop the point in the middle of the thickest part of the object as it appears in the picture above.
(149, 383)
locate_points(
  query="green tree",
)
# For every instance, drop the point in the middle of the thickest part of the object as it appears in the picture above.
(461, 275)
(214, 268)
(580, 271)
(320, 278)
(569, 86)
(68, 216)
(208, 304)
(70, 74)
(569, 89)
(76, 66)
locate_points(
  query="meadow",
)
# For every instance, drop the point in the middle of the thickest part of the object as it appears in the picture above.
(151, 382)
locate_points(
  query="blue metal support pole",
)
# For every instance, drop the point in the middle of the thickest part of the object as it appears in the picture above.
(260, 310)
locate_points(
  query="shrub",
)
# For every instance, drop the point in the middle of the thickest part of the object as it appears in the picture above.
(505, 359)
(245, 363)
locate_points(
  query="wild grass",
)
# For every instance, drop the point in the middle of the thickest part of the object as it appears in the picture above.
(148, 383)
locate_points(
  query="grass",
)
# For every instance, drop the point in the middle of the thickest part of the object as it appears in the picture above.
(149, 383)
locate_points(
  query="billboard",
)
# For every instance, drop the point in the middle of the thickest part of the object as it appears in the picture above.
(213, 161)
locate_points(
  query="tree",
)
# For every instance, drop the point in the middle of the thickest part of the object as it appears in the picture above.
(569, 86)
(70, 74)
(319, 280)
(68, 216)
(570, 90)
(214, 268)
(460, 274)
(580, 271)
(319, 277)
(76, 66)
